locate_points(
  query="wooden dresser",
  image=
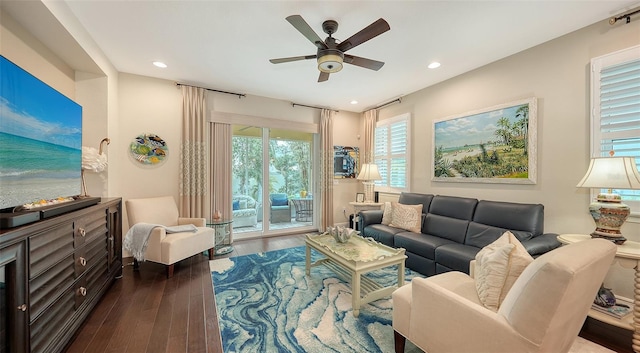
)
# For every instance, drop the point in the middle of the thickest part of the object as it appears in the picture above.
(55, 271)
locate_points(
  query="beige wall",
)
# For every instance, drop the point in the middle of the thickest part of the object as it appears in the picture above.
(557, 73)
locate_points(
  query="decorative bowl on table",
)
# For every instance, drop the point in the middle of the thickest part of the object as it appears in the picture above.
(341, 234)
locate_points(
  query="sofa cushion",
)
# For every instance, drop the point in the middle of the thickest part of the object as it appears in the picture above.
(420, 244)
(279, 201)
(383, 233)
(445, 227)
(456, 256)
(407, 217)
(481, 235)
(387, 213)
(412, 198)
(454, 207)
(522, 217)
(236, 205)
(498, 266)
(242, 204)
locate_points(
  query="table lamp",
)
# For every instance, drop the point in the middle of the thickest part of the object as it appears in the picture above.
(369, 173)
(607, 210)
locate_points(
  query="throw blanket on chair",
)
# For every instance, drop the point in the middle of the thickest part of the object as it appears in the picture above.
(136, 239)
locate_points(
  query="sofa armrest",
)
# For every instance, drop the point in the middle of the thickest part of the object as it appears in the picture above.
(541, 244)
(198, 222)
(435, 310)
(368, 217)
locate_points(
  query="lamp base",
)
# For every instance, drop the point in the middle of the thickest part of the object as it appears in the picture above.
(616, 240)
(609, 214)
(369, 191)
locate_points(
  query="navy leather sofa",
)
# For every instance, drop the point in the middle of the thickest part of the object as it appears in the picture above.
(454, 229)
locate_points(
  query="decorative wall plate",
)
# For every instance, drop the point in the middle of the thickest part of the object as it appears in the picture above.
(149, 149)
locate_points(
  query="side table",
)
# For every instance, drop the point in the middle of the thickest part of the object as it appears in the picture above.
(222, 231)
(363, 206)
(628, 256)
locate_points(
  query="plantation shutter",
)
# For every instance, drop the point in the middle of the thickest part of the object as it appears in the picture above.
(392, 153)
(616, 110)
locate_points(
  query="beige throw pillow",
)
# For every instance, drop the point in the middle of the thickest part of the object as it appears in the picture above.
(406, 217)
(498, 266)
(387, 213)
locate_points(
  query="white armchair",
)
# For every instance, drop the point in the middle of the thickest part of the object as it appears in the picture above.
(543, 311)
(166, 248)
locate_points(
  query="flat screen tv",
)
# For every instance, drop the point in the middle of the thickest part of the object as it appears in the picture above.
(40, 140)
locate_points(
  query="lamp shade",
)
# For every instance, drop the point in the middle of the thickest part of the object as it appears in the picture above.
(369, 172)
(330, 60)
(611, 173)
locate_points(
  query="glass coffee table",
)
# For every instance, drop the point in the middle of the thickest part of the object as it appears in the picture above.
(353, 259)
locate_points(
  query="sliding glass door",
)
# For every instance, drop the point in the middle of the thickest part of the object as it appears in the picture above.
(272, 181)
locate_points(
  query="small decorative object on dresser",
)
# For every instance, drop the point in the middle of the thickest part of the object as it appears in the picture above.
(359, 197)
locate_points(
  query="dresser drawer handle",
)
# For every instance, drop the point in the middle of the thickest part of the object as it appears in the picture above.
(82, 261)
(22, 307)
(82, 232)
(82, 291)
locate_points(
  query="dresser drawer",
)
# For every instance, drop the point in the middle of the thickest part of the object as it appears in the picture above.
(90, 283)
(92, 254)
(52, 322)
(89, 228)
(49, 247)
(49, 285)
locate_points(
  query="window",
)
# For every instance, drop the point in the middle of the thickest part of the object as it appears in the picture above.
(615, 113)
(392, 153)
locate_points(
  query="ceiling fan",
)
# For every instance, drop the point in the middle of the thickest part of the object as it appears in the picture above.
(330, 55)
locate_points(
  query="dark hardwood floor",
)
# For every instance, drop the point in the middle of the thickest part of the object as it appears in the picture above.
(144, 312)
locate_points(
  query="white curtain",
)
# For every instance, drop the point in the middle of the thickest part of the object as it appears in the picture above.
(326, 168)
(370, 119)
(221, 163)
(193, 161)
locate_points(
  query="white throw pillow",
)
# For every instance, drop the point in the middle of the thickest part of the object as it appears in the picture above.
(498, 266)
(387, 213)
(243, 204)
(406, 217)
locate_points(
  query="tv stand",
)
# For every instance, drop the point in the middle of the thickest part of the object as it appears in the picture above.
(58, 269)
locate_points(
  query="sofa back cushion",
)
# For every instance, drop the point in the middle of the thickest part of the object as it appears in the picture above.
(492, 218)
(412, 198)
(454, 207)
(445, 227)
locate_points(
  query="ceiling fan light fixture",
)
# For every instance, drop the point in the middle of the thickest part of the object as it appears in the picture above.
(331, 61)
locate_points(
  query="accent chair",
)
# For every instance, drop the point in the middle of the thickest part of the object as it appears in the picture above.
(280, 208)
(542, 312)
(170, 248)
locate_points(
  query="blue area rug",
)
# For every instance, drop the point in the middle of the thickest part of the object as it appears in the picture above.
(266, 303)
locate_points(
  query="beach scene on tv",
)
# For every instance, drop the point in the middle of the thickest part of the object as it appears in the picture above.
(492, 144)
(40, 140)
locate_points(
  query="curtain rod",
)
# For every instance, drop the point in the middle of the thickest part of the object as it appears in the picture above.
(310, 106)
(398, 100)
(627, 15)
(240, 95)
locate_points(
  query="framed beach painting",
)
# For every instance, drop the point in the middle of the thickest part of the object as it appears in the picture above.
(492, 145)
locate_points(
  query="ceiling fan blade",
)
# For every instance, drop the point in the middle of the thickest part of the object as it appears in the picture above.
(373, 30)
(363, 62)
(293, 58)
(323, 76)
(303, 27)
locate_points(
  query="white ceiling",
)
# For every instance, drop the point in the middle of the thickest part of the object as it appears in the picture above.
(227, 45)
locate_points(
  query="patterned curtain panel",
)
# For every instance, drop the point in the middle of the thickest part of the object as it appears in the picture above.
(370, 119)
(193, 161)
(221, 163)
(326, 168)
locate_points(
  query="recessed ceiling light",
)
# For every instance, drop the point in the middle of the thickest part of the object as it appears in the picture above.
(160, 64)
(434, 65)
(354, 102)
